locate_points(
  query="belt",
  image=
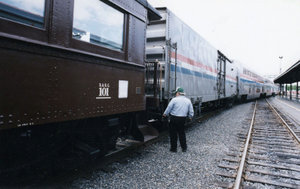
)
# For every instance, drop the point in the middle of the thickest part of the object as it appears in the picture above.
(178, 116)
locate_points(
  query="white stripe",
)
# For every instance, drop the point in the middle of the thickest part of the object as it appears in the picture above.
(99, 97)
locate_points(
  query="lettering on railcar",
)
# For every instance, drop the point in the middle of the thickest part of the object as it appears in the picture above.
(25, 124)
(103, 91)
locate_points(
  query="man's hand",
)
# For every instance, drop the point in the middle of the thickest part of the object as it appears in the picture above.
(164, 117)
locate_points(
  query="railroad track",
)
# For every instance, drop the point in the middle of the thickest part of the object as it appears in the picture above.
(270, 156)
(294, 124)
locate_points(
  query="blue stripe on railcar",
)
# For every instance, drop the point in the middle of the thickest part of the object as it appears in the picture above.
(190, 72)
(195, 73)
(249, 81)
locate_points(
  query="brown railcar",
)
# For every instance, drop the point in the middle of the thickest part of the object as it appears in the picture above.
(74, 66)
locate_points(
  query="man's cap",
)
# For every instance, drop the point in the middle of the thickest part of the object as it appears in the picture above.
(180, 90)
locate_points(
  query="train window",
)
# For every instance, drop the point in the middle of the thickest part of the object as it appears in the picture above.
(98, 23)
(30, 12)
(152, 57)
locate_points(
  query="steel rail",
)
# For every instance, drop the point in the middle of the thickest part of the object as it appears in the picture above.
(284, 123)
(243, 160)
(289, 115)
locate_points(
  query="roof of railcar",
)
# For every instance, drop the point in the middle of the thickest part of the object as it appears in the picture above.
(153, 14)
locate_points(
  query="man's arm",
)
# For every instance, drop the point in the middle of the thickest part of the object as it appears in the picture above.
(169, 108)
(191, 110)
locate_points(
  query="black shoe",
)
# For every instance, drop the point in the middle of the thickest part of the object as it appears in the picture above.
(184, 150)
(173, 150)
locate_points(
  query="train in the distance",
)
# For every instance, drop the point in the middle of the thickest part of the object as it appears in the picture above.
(84, 73)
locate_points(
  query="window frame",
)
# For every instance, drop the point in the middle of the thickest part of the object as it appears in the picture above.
(101, 49)
(25, 30)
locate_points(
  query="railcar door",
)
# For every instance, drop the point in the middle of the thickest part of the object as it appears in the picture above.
(172, 67)
(237, 86)
(221, 69)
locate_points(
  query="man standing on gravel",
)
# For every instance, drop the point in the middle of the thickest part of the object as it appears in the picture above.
(179, 108)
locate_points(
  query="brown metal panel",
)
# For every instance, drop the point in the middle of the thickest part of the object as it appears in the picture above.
(60, 30)
(136, 40)
(45, 83)
(89, 47)
(21, 93)
(133, 7)
(45, 89)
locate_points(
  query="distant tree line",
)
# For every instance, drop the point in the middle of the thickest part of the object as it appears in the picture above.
(293, 87)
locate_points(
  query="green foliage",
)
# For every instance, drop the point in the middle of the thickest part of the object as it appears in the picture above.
(294, 86)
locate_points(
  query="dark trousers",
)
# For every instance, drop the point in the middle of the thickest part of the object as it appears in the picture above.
(177, 129)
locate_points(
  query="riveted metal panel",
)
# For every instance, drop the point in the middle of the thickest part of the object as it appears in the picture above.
(136, 40)
(55, 80)
(61, 22)
(133, 8)
(53, 85)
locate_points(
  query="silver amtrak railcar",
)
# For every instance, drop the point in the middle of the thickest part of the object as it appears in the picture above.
(179, 56)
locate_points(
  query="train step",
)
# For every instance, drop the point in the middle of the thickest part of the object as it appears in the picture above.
(86, 148)
(149, 132)
(127, 142)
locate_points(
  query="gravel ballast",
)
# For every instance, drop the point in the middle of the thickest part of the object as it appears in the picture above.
(156, 167)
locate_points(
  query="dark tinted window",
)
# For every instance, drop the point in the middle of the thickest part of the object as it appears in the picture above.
(29, 12)
(98, 23)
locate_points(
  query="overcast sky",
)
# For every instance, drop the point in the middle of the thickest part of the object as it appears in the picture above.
(255, 32)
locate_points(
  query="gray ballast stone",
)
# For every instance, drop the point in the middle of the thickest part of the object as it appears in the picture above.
(156, 167)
